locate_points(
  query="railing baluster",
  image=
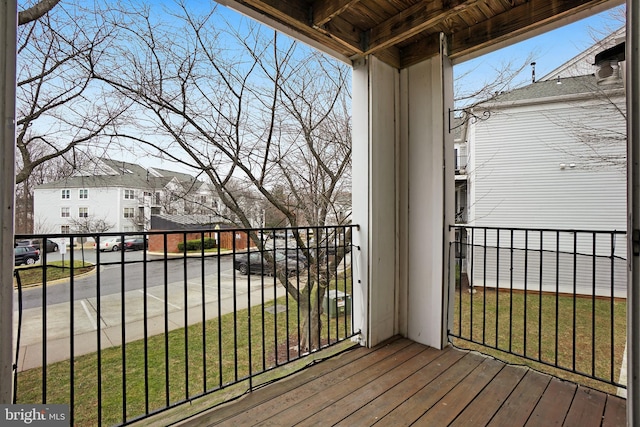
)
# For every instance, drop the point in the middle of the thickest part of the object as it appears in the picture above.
(219, 314)
(145, 310)
(497, 284)
(575, 292)
(564, 336)
(249, 341)
(185, 308)
(484, 287)
(557, 323)
(123, 338)
(511, 291)
(593, 306)
(235, 309)
(471, 283)
(612, 358)
(72, 386)
(118, 380)
(203, 305)
(540, 298)
(166, 321)
(99, 329)
(526, 293)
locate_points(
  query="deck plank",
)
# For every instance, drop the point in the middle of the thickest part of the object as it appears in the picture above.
(357, 359)
(521, 402)
(615, 412)
(554, 404)
(587, 408)
(488, 402)
(337, 391)
(413, 408)
(369, 390)
(403, 383)
(454, 402)
(370, 413)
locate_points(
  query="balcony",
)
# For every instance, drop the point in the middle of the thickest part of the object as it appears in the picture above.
(405, 383)
(162, 337)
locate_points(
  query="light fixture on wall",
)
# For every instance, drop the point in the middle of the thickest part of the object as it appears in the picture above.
(562, 165)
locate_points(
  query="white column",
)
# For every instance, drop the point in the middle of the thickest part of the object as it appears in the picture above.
(375, 89)
(8, 18)
(428, 176)
(633, 208)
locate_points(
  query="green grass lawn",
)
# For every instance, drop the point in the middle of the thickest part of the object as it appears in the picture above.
(180, 365)
(547, 335)
(55, 270)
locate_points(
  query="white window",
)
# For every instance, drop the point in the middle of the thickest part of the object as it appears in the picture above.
(83, 193)
(128, 212)
(65, 229)
(66, 194)
(83, 212)
(65, 212)
(129, 194)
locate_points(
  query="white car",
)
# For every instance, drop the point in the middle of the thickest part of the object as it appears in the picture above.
(110, 244)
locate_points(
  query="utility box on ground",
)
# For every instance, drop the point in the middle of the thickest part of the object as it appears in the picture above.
(337, 303)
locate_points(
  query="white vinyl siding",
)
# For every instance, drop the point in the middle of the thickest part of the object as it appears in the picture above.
(531, 168)
(518, 179)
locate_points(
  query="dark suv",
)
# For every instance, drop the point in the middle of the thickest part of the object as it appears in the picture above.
(36, 243)
(25, 255)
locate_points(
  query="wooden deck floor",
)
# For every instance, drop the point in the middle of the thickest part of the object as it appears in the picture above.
(405, 383)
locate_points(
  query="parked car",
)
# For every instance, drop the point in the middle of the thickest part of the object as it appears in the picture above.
(255, 263)
(36, 243)
(295, 255)
(110, 244)
(25, 255)
(136, 244)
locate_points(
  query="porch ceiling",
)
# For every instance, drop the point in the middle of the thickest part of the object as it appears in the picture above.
(405, 32)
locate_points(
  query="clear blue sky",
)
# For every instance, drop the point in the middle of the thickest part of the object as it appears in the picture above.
(550, 50)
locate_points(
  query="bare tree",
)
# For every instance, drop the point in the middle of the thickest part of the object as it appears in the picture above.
(90, 224)
(36, 11)
(269, 115)
(60, 109)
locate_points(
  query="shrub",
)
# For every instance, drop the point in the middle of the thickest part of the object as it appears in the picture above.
(196, 245)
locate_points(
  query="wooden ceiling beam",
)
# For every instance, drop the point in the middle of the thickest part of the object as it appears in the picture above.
(412, 21)
(324, 11)
(293, 12)
(521, 19)
(421, 50)
(296, 15)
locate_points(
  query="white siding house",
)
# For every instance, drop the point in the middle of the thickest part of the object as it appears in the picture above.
(113, 196)
(552, 156)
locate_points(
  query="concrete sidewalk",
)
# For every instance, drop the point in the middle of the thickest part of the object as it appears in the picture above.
(87, 323)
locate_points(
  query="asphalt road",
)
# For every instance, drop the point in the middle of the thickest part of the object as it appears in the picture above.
(178, 292)
(108, 279)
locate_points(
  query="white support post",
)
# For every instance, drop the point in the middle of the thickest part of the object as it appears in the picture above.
(375, 89)
(633, 208)
(427, 146)
(8, 17)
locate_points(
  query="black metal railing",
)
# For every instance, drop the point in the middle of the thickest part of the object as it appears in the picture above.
(555, 297)
(144, 325)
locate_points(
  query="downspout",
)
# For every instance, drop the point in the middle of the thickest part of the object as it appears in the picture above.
(633, 209)
(8, 17)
